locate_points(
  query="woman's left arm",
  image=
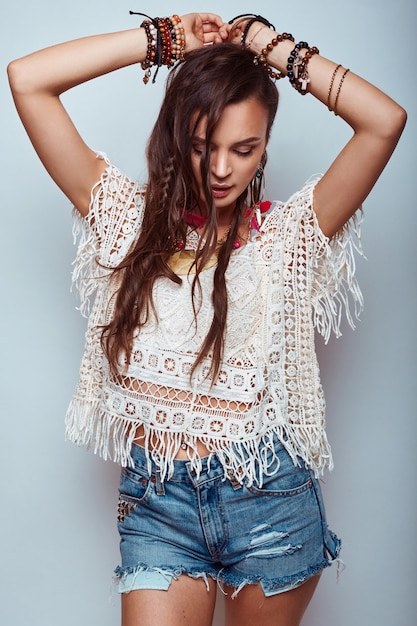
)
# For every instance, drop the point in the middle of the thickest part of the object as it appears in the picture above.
(377, 122)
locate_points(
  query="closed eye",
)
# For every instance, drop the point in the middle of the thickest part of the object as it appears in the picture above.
(244, 153)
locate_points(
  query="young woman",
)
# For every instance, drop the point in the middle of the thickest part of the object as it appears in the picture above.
(199, 374)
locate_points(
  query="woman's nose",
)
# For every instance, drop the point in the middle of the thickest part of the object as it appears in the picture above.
(220, 164)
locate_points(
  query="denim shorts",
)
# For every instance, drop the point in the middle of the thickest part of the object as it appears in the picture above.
(210, 527)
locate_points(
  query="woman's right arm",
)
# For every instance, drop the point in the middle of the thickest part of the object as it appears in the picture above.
(38, 80)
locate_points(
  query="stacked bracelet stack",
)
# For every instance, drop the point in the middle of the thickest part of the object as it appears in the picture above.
(166, 46)
(166, 43)
(297, 65)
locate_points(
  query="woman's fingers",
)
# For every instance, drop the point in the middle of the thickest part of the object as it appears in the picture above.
(204, 28)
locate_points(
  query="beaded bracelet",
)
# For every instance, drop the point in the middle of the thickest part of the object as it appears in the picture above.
(297, 66)
(304, 78)
(150, 50)
(261, 59)
(294, 61)
(178, 38)
(165, 27)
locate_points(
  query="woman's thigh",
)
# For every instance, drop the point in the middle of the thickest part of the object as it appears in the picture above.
(187, 602)
(251, 606)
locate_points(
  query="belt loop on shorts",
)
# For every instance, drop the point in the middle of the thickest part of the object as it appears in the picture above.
(160, 489)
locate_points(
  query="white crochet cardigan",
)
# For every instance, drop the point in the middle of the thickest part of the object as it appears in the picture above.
(285, 282)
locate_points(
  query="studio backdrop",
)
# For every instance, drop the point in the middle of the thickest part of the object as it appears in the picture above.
(59, 543)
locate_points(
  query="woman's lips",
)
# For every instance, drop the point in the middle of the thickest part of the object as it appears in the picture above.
(220, 191)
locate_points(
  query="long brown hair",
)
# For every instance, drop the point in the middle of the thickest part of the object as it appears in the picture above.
(201, 87)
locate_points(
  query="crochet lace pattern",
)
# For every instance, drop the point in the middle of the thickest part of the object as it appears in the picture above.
(287, 281)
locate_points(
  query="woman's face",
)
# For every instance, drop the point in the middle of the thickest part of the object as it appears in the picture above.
(237, 145)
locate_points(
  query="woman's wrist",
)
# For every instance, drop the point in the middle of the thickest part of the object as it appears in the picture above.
(260, 39)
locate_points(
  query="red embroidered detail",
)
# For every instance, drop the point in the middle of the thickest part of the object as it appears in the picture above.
(193, 219)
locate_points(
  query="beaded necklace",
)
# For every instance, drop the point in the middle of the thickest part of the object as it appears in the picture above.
(198, 221)
(252, 214)
(182, 261)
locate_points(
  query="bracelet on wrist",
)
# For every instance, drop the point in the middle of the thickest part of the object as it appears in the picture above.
(297, 66)
(261, 59)
(339, 87)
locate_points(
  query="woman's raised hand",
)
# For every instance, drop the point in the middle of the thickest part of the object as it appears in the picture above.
(203, 29)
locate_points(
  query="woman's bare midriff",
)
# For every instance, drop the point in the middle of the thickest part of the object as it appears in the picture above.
(181, 455)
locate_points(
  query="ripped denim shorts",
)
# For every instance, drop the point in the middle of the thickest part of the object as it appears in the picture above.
(210, 527)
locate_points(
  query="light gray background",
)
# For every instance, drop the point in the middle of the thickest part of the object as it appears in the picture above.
(58, 537)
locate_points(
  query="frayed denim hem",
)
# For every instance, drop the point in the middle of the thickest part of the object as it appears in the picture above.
(145, 577)
(271, 586)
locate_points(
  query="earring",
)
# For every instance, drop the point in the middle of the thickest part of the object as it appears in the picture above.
(257, 184)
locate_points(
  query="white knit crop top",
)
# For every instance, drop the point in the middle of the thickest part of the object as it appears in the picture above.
(287, 281)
